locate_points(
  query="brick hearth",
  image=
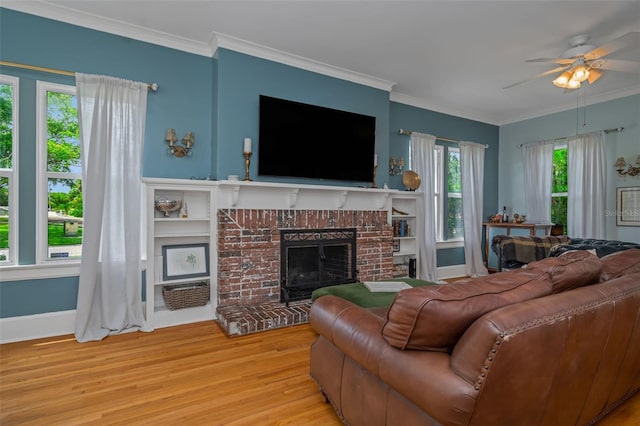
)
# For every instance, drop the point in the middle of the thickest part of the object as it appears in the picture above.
(243, 319)
(249, 261)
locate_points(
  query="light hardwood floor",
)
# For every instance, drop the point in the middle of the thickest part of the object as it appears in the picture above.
(191, 374)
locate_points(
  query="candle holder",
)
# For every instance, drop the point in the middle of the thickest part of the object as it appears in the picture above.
(375, 169)
(247, 162)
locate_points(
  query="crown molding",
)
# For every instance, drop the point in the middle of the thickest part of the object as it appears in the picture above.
(111, 26)
(279, 56)
(596, 99)
(424, 104)
(591, 100)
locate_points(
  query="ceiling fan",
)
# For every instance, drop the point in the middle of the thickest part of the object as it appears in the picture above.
(586, 62)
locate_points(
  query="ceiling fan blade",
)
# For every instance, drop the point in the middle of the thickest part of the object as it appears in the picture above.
(561, 61)
(594, 75)
(629, 41)
(618, 65)
(543, 74)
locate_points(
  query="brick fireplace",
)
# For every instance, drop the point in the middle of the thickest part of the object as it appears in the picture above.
(249, 264)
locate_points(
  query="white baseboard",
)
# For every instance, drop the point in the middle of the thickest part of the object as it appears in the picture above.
(51, 324)
(453, 271)
(29, 327)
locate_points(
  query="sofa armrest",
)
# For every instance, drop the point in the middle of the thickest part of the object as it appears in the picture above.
(356, 331)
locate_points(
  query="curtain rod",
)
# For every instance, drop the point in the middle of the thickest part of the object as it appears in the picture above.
(612, 130)
(409, 132)
(151, 86)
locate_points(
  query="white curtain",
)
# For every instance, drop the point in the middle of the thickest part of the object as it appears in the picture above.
(586, 179)
(538, 170)
(111, 115)
(422, 162)
(472, 176)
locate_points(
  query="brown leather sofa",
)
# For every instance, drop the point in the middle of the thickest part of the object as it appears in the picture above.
(555, 343)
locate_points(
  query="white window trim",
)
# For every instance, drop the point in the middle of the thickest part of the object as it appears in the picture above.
(42, 189)
(12, 174)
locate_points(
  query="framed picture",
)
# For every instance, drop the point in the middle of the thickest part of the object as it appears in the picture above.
(628, 206)
(185, 261)
(396, 245)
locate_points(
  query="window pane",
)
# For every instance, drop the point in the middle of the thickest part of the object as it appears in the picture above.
(559, 211)
(6, 126)
(4, 219)
(63, 137)
(454, 196)
(559, 188)
(64, 218)
(455, 228)
(559, 183)
(454, 183)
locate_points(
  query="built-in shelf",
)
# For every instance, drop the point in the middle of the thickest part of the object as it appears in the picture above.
(407, 244)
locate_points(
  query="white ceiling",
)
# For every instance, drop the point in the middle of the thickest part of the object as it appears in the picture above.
(449, 56)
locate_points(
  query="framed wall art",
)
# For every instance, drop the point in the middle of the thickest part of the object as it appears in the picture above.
(628, 206)
(185, 261)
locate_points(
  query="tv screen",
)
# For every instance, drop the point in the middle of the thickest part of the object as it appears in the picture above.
(308, 141)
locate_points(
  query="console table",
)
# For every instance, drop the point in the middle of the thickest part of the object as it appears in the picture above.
(508, 226)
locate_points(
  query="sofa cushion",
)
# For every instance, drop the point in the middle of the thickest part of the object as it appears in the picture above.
(619, 264)
(434, 318)
(573, 269)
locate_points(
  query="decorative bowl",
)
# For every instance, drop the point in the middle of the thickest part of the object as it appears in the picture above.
(167, 206)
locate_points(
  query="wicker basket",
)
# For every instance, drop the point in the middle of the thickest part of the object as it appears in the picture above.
(186, 295)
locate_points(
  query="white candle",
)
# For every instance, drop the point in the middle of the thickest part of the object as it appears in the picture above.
(247, 145)
(375, 160)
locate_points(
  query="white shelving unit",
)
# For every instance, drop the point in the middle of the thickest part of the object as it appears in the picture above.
(403, 218)
(196, 228)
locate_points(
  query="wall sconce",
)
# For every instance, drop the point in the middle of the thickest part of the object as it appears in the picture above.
(179, 150)
(631, 170)
(395, 166)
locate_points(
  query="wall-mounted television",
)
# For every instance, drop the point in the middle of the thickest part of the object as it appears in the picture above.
(309, 141)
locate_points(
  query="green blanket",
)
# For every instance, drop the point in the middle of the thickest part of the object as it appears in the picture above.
(357, 293)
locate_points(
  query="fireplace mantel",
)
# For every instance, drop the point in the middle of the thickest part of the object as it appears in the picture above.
(268, 195)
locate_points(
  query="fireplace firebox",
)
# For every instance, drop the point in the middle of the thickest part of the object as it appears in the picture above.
(315, 258)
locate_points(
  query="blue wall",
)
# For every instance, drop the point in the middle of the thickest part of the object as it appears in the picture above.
(242, 78)
(217, 99)
(420, 120)
(184, 100)
(624, 112)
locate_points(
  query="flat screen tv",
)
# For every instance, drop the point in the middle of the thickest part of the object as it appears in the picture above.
(308, 141)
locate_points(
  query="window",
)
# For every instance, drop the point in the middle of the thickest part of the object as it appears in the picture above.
(59, 188)
(559, 187)
(438, 190)
(8, 174)
(455, 229)
(448, 196)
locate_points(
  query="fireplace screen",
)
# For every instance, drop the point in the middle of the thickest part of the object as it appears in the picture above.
(311, 259)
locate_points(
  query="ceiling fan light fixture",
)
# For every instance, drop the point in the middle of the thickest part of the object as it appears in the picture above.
(573, 84)
(580, 73)
(562, 80)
